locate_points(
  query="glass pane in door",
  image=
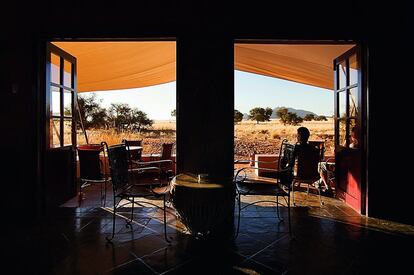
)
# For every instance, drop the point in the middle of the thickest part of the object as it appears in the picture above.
(353, 102)
(342, 75)
(55, 132)
(54, 68)
(67, 103)
(67, 74)
(353, 70)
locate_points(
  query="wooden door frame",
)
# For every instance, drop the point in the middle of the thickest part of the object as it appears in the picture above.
(362, 51)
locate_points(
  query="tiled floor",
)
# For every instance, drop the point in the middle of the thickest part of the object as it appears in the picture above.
(331, 239)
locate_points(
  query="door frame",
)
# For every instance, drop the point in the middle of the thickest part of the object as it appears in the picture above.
(361, 51)
(41, 74)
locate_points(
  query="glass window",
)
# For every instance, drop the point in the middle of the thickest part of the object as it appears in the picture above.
(67, 131)
(342, 104)
(55, 132)
(342, 75)
(353, 70)
(55, 68)
(342, 132)
(353, 134)
(67, 103)
(353, 102)
(67, 75)
(55, 101)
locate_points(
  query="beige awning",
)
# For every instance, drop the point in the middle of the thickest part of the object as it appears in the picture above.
(123, 65)
(307, 64)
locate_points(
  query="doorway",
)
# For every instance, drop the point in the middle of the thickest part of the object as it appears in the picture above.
(315, 65)
(124, 69)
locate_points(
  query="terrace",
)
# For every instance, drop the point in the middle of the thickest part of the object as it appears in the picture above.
(329, 240)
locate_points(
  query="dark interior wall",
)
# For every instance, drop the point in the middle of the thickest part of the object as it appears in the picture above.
(205, 81)
(205, 102)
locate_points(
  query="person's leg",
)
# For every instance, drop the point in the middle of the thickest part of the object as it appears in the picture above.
(323, 170)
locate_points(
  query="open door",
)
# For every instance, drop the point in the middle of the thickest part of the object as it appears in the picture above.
(349, 129)
(60, 157)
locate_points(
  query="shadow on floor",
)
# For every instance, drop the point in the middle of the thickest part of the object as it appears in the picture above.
(332, 239)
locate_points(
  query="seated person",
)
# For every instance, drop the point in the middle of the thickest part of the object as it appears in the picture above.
(327, 169)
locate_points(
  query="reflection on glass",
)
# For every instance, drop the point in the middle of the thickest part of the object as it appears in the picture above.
(67, 131)
(353, 70)
(67, 103)
(54, 68)
(342, 104)
(342, 132)
(55, 101)
(55, 132)
(353, 134)
(353, 102)
(67, 74)
(342, 75)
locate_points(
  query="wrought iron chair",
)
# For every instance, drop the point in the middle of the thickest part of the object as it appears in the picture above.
(164, 162)
(306, 170)
(127, 188)
(279, 187)
(134, 154)
(92, 168)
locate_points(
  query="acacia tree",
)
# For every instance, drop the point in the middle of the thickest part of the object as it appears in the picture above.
(238, 116)
(122, 117)
(309, 117)
(260, 114)
(92, 114)
(282, 113)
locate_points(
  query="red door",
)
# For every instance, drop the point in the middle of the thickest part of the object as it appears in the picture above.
(350, 129)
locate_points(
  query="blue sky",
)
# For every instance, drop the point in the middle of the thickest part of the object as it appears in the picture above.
(251, 90)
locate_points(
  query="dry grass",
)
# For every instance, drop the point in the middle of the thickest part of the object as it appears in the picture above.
(249, 136)
(267, 136)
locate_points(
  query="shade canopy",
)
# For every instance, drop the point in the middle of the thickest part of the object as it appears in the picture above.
(123, 65)
(105, 66)
(306, 64)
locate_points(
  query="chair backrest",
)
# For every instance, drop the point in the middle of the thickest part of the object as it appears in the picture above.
(286, 163)
(118, 163)
(90, 164)
(166, 151)
(133, 154)
(307, 160)
(320, 144)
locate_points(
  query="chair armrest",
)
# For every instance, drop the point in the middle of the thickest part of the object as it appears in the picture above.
(153, 162)
(245, 161)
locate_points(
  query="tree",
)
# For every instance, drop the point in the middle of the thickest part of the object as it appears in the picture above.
(174, 113)
(92, 114)
(122, 117)
(260, 114)
(321, 118)
(293, 119)
(282, 114)
(238, 116)
(309, 117)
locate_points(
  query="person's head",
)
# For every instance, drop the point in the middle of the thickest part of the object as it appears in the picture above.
(354, 132)
(303, 135)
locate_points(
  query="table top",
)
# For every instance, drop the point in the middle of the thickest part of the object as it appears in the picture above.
(134, 147)
(191, 181)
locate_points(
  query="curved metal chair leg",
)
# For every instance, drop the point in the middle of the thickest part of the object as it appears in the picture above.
(109, 239)
(290, 228)
(238, 216)
(293, 194)
(129, 223)
(277, 209)
(165, 223)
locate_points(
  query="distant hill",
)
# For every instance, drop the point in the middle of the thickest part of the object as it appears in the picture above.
(299, 112)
